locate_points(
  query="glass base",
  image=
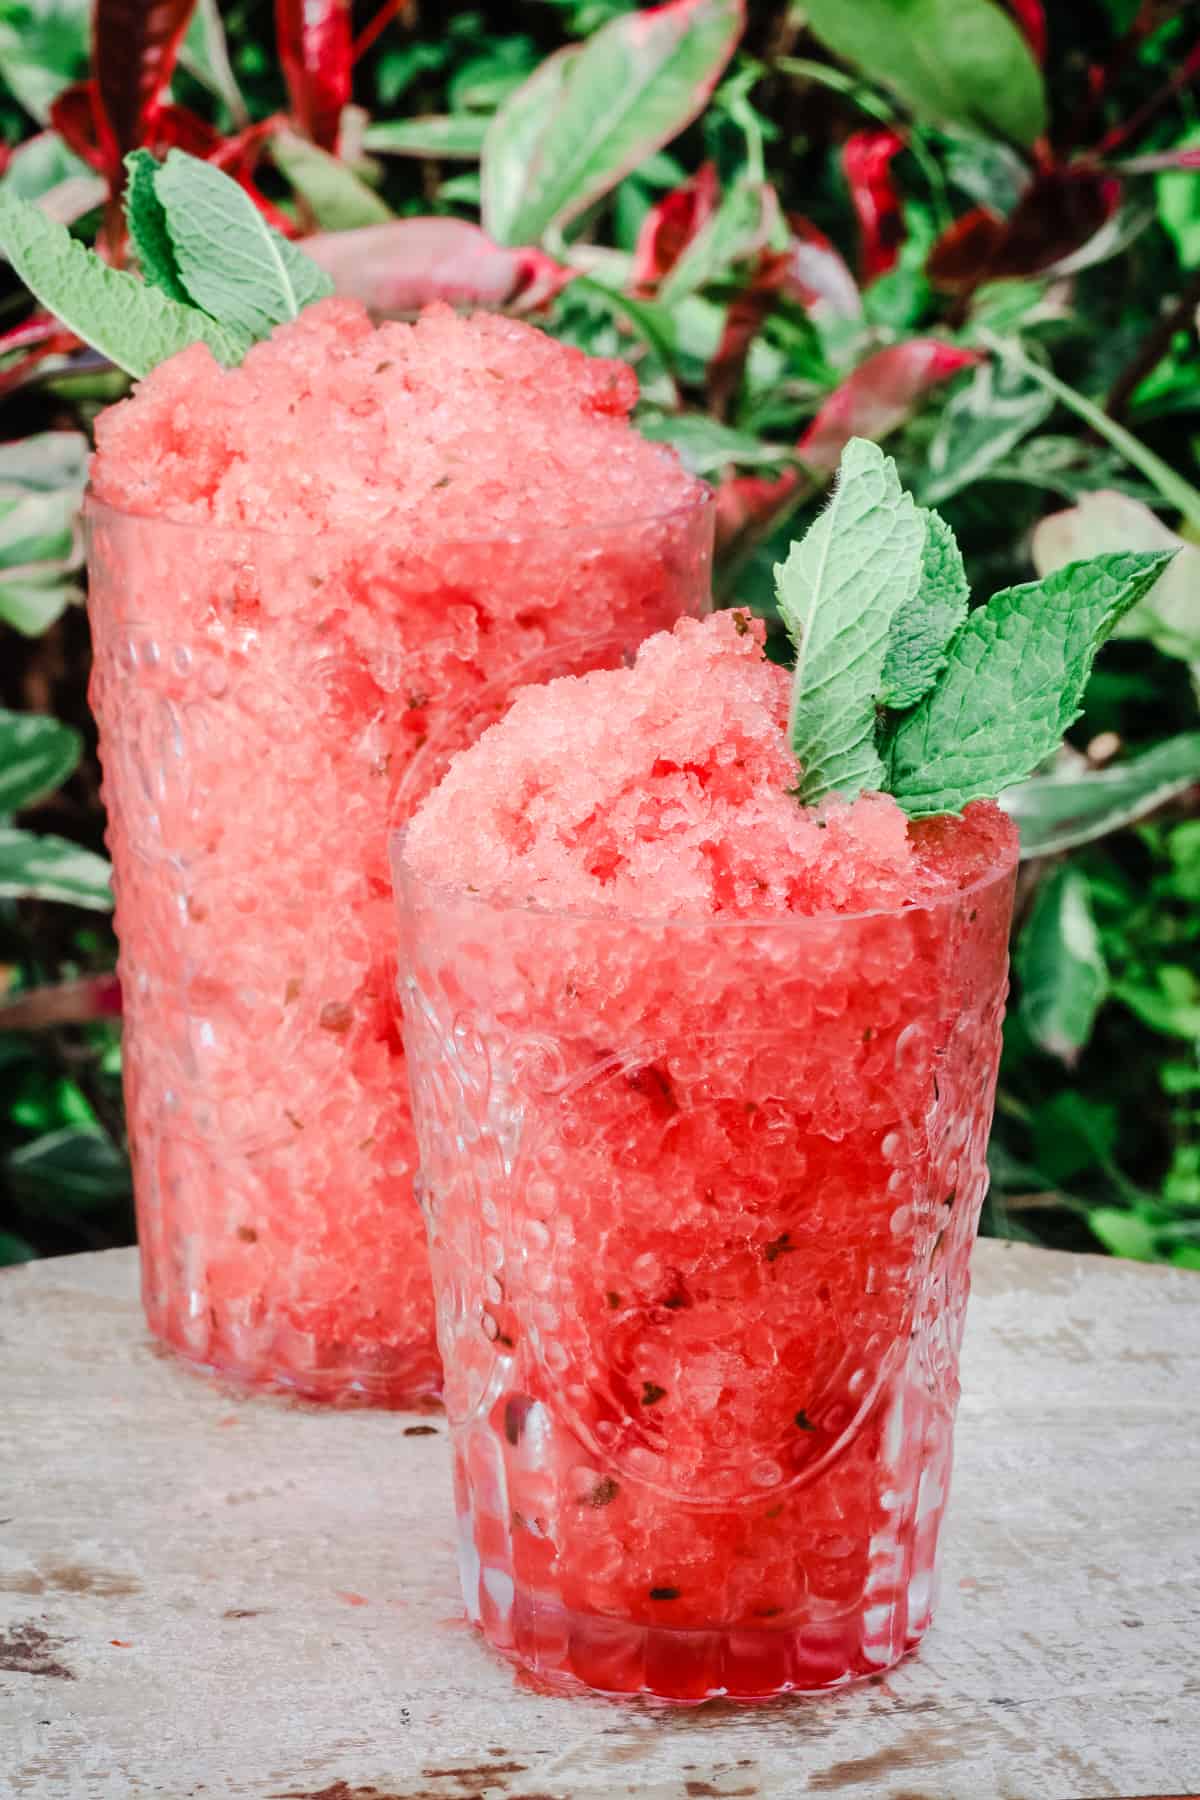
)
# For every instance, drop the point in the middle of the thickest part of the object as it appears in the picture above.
(399, 1381)
(573, 1652)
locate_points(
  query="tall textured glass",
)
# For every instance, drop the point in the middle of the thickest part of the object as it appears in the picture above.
(701, 1197)
(261, 699)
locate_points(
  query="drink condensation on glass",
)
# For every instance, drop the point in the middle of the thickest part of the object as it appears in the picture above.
(701, 1193)
(300, 571)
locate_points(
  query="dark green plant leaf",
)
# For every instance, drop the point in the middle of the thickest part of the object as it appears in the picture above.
(335, 196)
(955, 62)
(204, 53)
(42, 164)
(449, 137)
(43, 48)
(1060, 812)
(982, 423)
(50, 868)
(1178, 194)
(15, 1249)
(1167, 482)
(43, 462)
(1060, 965)
(39, 527)
(68, 1171)
(742, 224)
(31, 607)
(1124, 1233)
(705, 446)
(36, 756)
(1170, 1005)
(1013, 685)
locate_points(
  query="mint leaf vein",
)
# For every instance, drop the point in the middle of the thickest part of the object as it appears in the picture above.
(231, 262)
(135, 326)
(1013, 684)
(839, 591)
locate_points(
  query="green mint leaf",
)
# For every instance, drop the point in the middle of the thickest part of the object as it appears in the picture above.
(839, 591)
(228, 258)
(148, 227)
(1013, 683)
(135, 326)
(922, 628)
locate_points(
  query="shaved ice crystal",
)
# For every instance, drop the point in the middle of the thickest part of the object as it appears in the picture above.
(302, 571)
(450, 428)
(664, 789)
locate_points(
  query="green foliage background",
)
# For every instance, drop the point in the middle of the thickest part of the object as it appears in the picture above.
(1097, 1141)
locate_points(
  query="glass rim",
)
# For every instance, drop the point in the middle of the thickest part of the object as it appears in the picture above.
(407, 883)
(700, 503)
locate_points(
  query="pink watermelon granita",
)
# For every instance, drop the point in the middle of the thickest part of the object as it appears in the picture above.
(703, 1082)
(302, 570)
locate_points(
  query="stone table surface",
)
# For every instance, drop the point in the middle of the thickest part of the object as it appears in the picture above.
(208, 1594)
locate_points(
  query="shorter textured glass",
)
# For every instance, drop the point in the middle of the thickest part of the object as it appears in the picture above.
(701, 1196)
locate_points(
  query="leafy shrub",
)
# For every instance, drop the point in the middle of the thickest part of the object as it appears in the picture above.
(967, 226)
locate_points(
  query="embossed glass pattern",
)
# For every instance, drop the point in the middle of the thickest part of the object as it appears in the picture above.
(701, 1197)
(261, 700)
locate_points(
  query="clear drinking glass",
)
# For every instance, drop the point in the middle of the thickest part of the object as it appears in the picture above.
(261, 700)
(701, 1196)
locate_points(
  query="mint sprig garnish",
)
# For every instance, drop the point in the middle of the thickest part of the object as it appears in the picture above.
(1013, 684)
(234, 265)
(923, 627)
(213, 270)
(839, 591)
(135, 326)
(897, 687)
(146, 218)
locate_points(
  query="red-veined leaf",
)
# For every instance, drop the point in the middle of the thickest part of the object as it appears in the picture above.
(30, 334)
(1158, 160)
(963, 253)
(135, 43)
(1130, 128)
(670, 226)
(78, 117)
(239, 156)
(744, 319)
(39, 337)
(178, 128)
(397, 268)
(867, 158)
(375, 27)
(1030, 18)
(315, 46)
(818, 276)
(590, 114)
(65, 1003)
(1058, 212)
(880, 395)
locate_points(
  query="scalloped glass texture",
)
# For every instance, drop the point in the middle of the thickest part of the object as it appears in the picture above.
(267, 706)
(701, 1198)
